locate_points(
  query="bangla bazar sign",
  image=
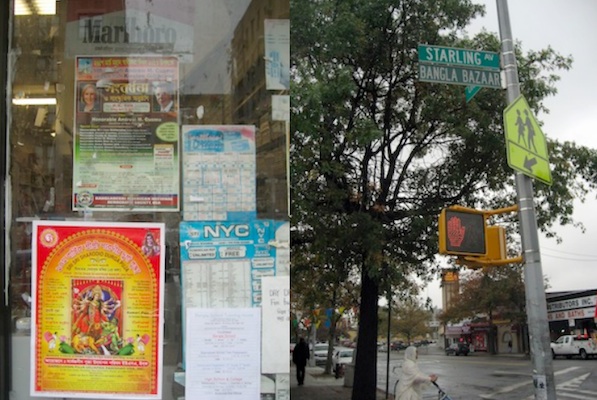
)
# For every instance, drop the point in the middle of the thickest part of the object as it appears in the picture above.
(459, 76)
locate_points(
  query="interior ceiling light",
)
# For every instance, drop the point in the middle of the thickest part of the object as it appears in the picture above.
(40, 101)
(42, 7)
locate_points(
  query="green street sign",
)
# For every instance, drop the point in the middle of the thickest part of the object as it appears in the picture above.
(525, 143)
(459, 75)
(461, 57)
(470, 92)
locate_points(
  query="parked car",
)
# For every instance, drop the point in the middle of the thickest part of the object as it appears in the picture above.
(398, 345)
(320, 353)
(343, 356)
(458, 349)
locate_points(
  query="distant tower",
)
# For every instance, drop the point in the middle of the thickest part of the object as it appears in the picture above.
(450, 287)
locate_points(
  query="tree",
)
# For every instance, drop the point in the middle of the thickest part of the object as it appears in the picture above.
(321, 279)
(383, 153)
(487, 292)
(412, 320)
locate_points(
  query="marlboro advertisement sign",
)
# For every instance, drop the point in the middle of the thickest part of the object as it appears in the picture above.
(130, 26)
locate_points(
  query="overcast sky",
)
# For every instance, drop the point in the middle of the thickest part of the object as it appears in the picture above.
(570, 28)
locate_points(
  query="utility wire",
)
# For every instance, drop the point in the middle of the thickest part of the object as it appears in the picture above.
(567, 252)
(590, 259)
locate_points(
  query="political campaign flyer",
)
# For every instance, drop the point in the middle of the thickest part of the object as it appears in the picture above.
(126, 139)
(97, 309)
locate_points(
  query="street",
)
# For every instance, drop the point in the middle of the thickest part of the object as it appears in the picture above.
(500, 377)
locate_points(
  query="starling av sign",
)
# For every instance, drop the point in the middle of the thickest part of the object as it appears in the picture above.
(462, 57)
(459, 66)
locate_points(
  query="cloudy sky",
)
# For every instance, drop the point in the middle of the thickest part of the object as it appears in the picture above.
(570, 28)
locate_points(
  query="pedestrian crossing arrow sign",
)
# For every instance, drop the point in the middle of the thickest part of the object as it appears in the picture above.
(525, 143)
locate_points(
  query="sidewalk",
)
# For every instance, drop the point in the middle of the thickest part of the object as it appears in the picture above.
(319, 386)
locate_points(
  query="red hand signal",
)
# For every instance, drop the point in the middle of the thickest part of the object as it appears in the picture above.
(455, 232)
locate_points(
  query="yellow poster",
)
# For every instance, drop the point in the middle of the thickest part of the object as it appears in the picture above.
(97, 309)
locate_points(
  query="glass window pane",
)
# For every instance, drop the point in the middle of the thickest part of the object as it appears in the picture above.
(119, 158)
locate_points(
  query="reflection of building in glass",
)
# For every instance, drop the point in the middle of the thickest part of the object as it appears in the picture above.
(251, 104)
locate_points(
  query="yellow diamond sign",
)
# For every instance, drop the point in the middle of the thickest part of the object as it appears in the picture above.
(525, 143)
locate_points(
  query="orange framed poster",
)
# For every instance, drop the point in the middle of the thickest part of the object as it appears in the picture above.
(97, 309)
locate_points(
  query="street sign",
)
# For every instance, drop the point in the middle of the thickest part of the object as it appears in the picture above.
(470, 92)
(459, 75)
(525, 143)
(462, 57)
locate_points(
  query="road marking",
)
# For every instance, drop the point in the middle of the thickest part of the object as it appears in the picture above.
(513, 373)
(569, 389)
(521, 384)
(573, 385)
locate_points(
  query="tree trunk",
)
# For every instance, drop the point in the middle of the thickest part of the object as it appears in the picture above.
(365, 382)
(331, 337)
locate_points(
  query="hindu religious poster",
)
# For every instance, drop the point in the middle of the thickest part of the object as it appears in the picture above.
(218, 172)
(97, 309)
(126, 139)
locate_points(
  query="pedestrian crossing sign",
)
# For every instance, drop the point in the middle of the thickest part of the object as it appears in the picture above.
(526, 145)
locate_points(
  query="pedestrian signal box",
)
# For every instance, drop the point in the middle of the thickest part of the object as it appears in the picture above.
(462, 231)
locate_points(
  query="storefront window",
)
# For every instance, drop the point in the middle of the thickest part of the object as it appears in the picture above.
(144, 112)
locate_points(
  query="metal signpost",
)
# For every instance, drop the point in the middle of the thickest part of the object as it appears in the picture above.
(536, 304)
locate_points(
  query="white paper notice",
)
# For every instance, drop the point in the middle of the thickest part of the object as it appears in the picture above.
(276, 319)
(223, 353)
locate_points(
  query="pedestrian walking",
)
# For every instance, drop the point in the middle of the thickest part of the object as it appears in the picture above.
(300, 355)
(413, 381)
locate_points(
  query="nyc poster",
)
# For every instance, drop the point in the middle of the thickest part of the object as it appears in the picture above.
(97, 310)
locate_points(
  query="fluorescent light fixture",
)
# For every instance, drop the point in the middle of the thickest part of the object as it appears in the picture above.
(43, 7)
(33, 101)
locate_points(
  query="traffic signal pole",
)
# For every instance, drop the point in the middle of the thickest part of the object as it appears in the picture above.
(536, 304)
